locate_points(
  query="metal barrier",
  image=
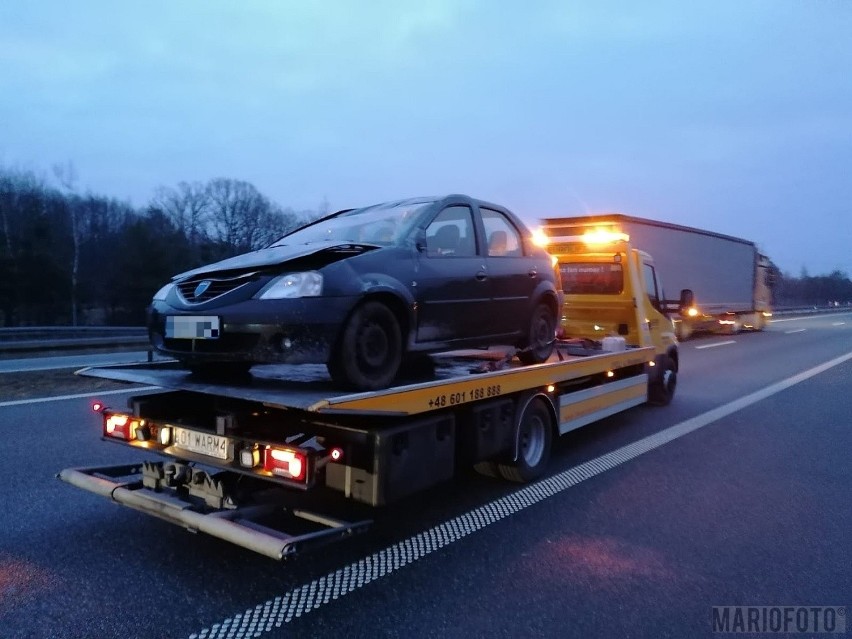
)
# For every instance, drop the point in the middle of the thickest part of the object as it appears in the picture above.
(41, 338)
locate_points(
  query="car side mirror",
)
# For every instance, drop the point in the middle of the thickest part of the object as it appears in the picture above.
(420, 243)
(687, 298)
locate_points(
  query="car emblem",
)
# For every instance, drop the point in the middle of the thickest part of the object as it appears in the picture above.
(201, 288)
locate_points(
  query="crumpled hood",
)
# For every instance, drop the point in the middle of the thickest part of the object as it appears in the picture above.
(264, 257)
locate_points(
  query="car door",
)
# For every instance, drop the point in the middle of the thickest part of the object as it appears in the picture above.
(512, 275)
(451, 287)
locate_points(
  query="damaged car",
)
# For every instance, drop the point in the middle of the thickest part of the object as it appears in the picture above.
(362, 290)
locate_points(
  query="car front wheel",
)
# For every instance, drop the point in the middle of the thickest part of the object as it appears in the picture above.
(541, 335)
(369, 352)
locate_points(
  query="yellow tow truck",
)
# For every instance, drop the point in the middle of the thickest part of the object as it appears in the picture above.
(254, 462)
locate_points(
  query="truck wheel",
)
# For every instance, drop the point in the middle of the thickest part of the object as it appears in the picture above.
(534, 434)
(540, 336)
(736, 327)
(369, 352)
(663, 382)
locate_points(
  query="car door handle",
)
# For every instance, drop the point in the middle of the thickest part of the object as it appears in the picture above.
(481, 276)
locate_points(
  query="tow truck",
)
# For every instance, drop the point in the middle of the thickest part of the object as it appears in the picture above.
(249, 461)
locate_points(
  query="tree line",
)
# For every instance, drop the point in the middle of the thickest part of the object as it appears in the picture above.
(834, 289)
(72, 258)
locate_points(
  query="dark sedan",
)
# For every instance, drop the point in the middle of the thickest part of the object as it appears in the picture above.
(362, 289)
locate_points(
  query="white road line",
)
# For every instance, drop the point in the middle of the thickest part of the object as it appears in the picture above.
(798, 330)
(838, 323)
(807, 317)
(38, 400)
(279, 610)
(730, 341)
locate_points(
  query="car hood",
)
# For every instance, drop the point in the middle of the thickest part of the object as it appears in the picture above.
(276, 255)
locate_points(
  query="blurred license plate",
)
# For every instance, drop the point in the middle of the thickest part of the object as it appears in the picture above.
(192, 327)
(202, 443)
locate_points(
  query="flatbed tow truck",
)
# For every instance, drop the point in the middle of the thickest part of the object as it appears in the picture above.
(244, 459)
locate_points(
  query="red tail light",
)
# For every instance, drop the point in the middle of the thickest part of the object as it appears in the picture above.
(120, 426)
(285, 462)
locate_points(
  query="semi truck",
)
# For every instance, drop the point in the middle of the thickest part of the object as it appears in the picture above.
(732, 281)
(269, 462)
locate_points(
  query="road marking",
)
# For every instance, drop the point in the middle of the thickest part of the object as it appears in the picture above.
(798, 330)
(730, 341)
(282, 609)
(806, 317)
(38, 400)
(838, 323)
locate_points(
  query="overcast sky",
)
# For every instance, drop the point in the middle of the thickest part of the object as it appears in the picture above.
(729, 115)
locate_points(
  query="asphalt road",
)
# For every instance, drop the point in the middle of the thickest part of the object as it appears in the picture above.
(77, 360)
(747, 504)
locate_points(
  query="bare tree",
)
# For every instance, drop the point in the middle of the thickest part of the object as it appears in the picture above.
(240, 215)
(66, 174)
(188, 207)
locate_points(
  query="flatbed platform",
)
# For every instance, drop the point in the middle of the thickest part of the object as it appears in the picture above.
(456, 378)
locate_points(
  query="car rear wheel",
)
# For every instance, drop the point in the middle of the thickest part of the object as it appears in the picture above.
(541, 335)
(369, 352)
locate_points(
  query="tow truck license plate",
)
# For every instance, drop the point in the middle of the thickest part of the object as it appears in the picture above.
(192, 327)
(202, 443)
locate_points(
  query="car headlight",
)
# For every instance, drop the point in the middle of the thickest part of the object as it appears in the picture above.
(292, 285)
(163, 292)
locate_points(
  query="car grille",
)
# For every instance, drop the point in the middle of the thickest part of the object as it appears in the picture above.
(215, 288)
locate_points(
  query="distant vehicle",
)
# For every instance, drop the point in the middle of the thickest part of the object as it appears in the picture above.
(363, 288)
(731, 280)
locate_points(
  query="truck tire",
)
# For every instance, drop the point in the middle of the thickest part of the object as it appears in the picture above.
(541, 335)
(663, 381)
(683, 331)
(534, 434)
(369, 352)
(735, 328)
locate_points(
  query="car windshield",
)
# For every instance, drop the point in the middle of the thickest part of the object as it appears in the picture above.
(592, 278)
(382, 224)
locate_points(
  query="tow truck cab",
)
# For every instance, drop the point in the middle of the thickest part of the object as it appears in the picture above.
(613, 290)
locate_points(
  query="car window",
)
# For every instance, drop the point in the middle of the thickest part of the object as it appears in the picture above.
(380, 224)
(651, 284)
(451, 233)
(592, 278)
(503, 238)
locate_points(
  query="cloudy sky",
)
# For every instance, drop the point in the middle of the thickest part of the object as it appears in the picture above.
(730, 115)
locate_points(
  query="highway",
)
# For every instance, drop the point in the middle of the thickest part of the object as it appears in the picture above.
(735, 494)
(58, 362)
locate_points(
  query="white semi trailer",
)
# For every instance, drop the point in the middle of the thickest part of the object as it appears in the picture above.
(732, 281)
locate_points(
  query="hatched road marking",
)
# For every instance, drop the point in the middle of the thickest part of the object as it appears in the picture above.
(282, 609)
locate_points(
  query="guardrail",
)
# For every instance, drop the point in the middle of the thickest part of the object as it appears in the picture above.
(42, 338)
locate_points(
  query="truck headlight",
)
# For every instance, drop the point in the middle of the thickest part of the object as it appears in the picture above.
(292, 285)
(163, 292)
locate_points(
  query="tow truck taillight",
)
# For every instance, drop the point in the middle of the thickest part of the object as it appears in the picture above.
(285, 462)
(120, 426)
